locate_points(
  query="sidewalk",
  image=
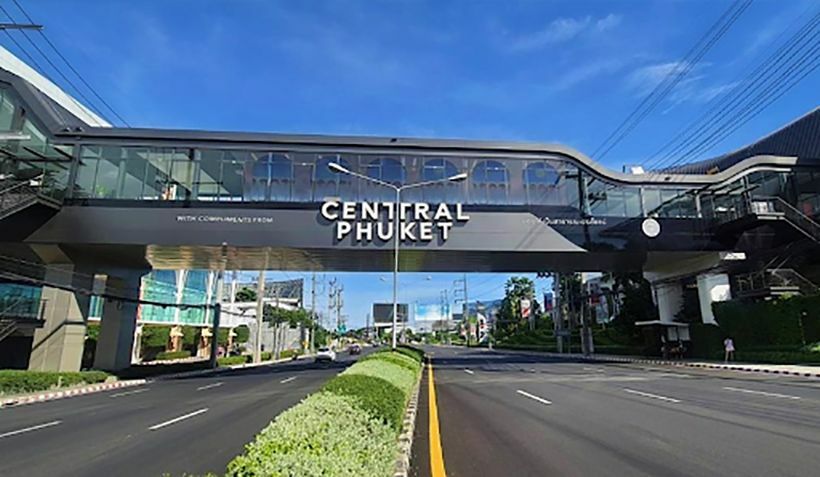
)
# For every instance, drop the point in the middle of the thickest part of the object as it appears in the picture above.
(50, 395)
(81, 390)
(786, 369)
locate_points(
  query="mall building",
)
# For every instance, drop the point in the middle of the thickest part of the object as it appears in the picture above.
(83, 202)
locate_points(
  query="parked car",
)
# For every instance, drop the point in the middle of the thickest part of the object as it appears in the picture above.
(355, 348)
(325, 354)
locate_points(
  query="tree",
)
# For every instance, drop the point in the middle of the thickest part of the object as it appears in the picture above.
(637, 300)
(509, 318)
(246, 294)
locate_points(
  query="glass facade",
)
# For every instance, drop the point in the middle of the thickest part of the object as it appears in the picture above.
(34, 155)
(141, 173)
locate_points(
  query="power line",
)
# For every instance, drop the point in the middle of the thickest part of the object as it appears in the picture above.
(673, 77)
(51, 63)
(71, 67)
(722, 110)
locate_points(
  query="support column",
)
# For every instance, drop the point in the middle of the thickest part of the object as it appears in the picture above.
(58, 345)
(669, 298)
(712, 287)
(119, 322)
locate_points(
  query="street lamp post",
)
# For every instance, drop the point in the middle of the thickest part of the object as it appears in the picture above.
(338, 168)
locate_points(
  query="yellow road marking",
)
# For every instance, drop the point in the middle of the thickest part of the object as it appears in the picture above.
(436, 456)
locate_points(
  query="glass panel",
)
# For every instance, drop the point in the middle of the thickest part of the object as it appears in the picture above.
(439, 169)
(327, 183)
(490, 181)
(7, 110)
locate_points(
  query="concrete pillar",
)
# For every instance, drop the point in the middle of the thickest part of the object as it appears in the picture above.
(669, 298)
(712, 287)
(119, 322)
(58, 345)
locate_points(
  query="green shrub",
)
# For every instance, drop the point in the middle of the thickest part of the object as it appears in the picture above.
(395, 374)
(233, 360)
(375, 395)
(20, 381)
(325, 434)
(266, 355)
(171, 355)
(414, 353)
(289, 353)
(777, 357)
(395, 358)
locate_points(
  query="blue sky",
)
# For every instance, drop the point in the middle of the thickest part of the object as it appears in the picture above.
(547, 71)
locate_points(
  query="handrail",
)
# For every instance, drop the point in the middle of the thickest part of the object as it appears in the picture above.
(789, 207)
(775, 277)
(26, 182)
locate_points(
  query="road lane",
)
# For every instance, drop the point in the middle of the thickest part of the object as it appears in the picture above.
(674, 422)
(142, 434)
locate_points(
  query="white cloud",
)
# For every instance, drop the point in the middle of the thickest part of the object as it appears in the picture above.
(694, 88)
(562, 30)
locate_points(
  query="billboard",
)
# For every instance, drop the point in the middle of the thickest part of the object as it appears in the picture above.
(383, 312)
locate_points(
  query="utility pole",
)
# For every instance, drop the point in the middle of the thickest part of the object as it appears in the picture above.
(312, 312)
(339, 305)
(260, 294)
(331, 297)
(276, 326)
(465, 300)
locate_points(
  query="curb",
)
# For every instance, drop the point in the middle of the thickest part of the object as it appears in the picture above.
(402, 467)
(620, 359)
(54, 395)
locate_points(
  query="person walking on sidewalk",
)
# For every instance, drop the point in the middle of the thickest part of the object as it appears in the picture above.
(729, 350)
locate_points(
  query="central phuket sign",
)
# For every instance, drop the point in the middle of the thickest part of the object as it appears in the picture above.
(366, 221)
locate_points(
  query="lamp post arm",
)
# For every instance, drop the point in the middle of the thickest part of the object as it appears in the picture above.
(370, 179)
(426, 183)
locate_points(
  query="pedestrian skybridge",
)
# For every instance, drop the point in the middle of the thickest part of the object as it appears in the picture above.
(72, 186)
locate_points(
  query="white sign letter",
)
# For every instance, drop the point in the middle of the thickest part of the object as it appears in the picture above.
(326, 210)
(342, 229)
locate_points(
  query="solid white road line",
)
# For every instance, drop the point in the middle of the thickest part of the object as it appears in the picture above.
(469, 371)
(653, 396)
(177, 419)
(27, 429)
(214, 385)
(287, 380)
(761, 393)
(136, 391)
(534, 397)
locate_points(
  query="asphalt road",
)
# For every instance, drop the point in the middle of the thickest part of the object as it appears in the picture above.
(504, 414)
(193, 425)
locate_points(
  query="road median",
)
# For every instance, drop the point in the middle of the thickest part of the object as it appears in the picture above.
(357, 424)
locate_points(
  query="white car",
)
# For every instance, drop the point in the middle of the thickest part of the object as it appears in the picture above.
(325, 354)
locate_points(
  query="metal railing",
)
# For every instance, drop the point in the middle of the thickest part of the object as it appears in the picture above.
(785, 279)
(26, 309)
(21, 194)
(776, 205)
(768, 206)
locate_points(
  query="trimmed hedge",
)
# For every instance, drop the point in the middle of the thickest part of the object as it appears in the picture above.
(395, 358)
(414, 353)
(349, 428)
(374, 395)
(233, 360)
(325, 434)
(171, 355)
(289, 353)
(266, 356)
(21, 381)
